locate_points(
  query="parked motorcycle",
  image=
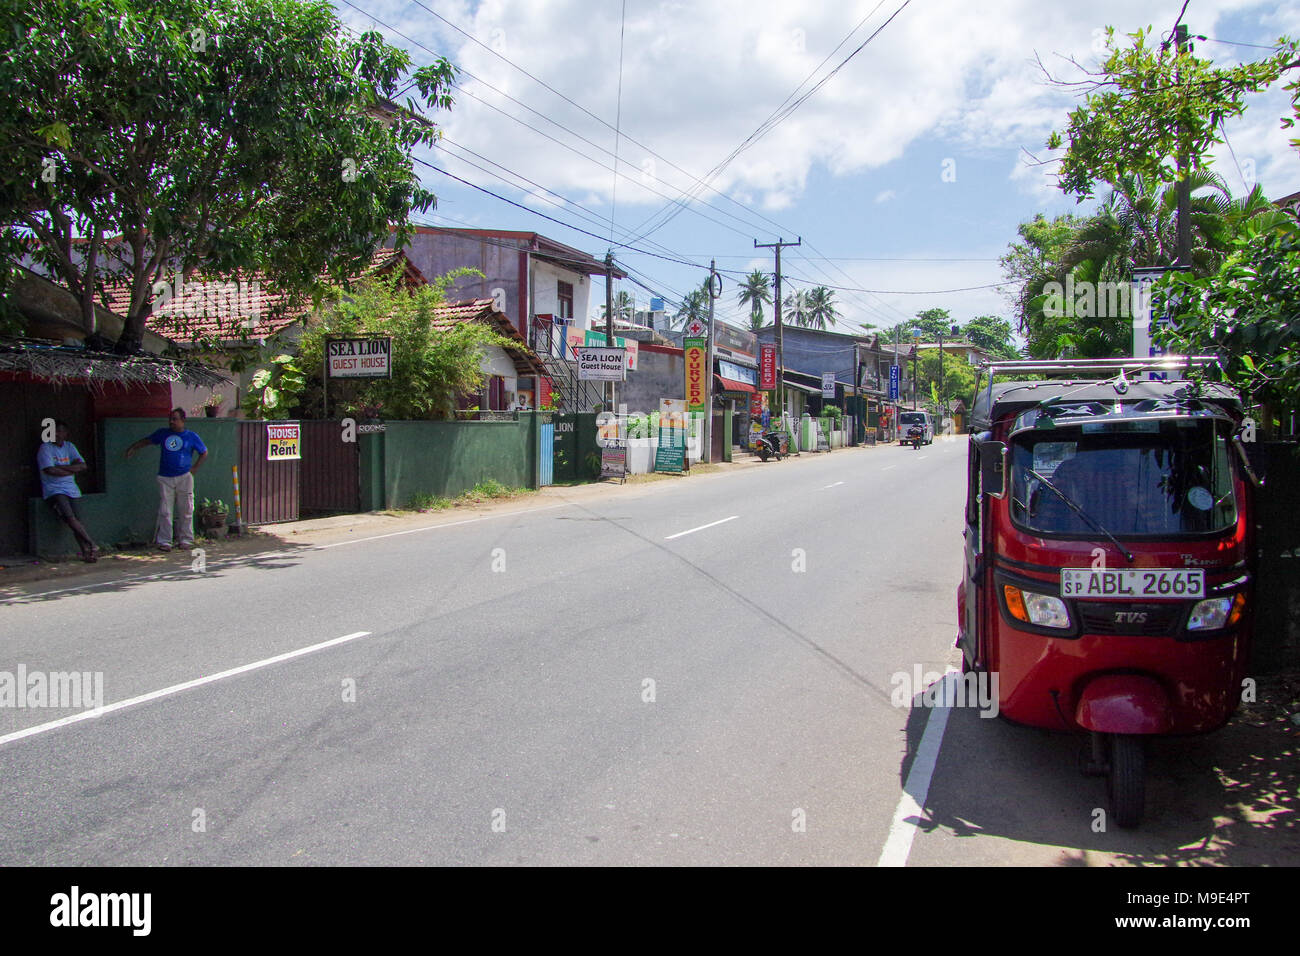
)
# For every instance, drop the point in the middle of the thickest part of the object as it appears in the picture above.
(770, 446)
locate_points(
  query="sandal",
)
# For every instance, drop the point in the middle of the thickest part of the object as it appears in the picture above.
(90, 556)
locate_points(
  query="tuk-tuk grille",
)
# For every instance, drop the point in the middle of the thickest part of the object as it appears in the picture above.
(1143, 620)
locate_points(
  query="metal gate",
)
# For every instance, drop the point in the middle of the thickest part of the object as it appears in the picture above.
(268, 489)
(546, 456)
(329, 475)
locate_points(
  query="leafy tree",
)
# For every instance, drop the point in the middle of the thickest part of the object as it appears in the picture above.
(231, 135)
(958, 377)
(1149, 106)
(432, 366)
(992, 334)
(1247, 314)
(797, 306)
(755, 292)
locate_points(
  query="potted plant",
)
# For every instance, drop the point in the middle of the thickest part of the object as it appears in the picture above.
(212, 517)
(212, 404)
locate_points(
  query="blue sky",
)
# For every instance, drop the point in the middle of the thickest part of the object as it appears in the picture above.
(858, 170)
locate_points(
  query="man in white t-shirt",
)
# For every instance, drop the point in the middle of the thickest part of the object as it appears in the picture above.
(59, 463)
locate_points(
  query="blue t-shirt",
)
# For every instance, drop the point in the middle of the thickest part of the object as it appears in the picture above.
(177, 451)
(51, 455)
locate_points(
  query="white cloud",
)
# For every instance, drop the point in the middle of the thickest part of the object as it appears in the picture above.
(885, 195)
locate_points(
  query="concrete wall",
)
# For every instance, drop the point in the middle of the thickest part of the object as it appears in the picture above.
(446, 459)
(543, 280)
(658, 375)
(436, 253)
(124, 512)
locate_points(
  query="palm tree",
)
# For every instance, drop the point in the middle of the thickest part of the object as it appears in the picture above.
(821, 308)
(797, 306)
(755, 292)
(694, 306)
(624, 307)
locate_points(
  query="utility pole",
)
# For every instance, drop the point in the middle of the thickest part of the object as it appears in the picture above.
(609, 319)
(780, 354)
(941, 392)
(1184, 184)
(715, 290)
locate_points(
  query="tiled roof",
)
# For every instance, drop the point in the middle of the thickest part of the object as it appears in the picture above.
(229, 310)
(482, 310)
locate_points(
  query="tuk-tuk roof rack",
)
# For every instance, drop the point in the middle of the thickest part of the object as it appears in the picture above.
(1157, 363)
(1054, 379)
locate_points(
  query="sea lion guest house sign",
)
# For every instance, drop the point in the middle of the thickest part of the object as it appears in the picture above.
(363, 357)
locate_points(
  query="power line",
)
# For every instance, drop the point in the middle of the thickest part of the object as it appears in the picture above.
(776, 118)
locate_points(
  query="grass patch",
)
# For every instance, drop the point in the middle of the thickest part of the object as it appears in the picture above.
(489, 490)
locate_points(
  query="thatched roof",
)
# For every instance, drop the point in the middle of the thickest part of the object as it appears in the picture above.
(64, 365)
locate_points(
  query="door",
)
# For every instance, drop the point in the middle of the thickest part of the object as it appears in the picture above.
(329, 475)
(546, 455)
(23, 407)
(973, 598)
(268, 489)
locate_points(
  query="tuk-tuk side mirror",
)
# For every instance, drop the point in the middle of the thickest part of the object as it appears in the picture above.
(993, 471)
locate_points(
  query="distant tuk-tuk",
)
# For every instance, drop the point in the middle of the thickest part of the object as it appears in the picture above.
(1109, 556)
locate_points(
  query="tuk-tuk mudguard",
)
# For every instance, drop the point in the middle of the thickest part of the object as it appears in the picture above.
(1124, 704)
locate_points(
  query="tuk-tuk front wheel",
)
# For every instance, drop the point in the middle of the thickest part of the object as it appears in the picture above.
(1128, 779)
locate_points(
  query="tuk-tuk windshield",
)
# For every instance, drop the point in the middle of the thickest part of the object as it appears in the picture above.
(1165, 477)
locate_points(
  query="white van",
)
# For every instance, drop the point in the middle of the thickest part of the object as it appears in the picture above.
(907, 419)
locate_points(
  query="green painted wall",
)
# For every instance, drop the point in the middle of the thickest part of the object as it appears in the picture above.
(446, 459)
(125, 512)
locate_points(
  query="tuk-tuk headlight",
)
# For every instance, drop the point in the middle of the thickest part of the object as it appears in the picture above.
(1041, 610)
(1214, 613)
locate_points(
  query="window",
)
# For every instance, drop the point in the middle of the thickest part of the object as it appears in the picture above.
(564, 297)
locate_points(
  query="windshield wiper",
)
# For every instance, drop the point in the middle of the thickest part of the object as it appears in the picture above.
(1083, 514)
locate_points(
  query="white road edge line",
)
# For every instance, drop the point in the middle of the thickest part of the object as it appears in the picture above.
(176, 688)
(833, 485)
(922, 457)
(448, 524)
(910, 813)
(887, 467)
(702, 527)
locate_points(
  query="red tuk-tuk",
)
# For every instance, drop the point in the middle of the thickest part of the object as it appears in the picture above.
(1109, 556)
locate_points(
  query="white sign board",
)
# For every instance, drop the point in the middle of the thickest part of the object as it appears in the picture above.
(828, 384)
(601, 364)
(359, 358)
(696, 329)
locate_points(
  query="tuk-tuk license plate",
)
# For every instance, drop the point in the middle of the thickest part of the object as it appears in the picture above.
(1125, 584)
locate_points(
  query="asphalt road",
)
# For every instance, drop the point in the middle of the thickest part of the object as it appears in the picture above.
(590, 683)
(701, 671)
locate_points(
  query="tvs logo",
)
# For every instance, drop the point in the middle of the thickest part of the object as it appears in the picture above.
(1130, 617)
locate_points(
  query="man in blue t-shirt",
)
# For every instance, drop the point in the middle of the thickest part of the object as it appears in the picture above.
(176, 467)
(59, 463)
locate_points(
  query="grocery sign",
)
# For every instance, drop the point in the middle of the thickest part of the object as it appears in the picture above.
(767, 367)
(697, 355)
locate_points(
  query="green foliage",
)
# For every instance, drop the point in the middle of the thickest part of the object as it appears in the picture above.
(217, 507)
(1153, 105)
(755, 292)
(274, 389)
(958, 377)
(431, 367)
(1247, 314)
(221, 135)
(991, 333)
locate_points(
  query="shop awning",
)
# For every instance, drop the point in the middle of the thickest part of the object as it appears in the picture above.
(725, 384)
